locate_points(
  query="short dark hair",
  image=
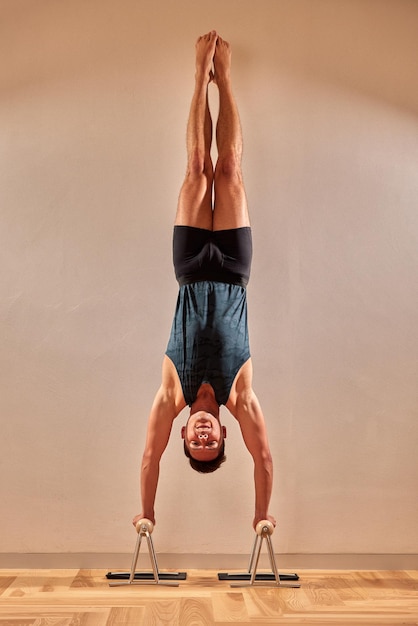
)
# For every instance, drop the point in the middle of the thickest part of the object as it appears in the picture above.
(206, 467)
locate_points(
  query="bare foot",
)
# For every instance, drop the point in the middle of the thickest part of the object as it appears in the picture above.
(205, 50)
(222, 60)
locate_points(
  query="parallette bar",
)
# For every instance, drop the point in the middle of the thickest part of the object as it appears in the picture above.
(144, 528)
(263, 532)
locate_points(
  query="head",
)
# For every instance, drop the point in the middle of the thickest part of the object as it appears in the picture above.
(204, 441)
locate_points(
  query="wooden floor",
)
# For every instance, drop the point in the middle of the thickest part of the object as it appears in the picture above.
(328, 598)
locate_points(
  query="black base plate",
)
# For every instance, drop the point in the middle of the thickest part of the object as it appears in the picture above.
(147, 575)
(261, 576)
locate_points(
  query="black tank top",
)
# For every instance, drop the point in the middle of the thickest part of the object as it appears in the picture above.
(209, 337)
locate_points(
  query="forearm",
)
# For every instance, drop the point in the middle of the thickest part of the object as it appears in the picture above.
(150, 471)
(263, 482)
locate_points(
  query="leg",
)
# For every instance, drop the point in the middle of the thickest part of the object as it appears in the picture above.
(195, 201)
(230, 210)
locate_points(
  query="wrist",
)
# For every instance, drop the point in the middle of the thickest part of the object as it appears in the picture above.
(261, 512)
(148, 512)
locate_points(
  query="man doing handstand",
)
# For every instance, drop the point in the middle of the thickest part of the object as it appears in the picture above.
(207, 362)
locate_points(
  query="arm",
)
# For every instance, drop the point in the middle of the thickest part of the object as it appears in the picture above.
(246, 409)
(254, 433)
(167, 405)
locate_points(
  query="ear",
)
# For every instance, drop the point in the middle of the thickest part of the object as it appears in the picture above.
(224, 431)
(183, 432)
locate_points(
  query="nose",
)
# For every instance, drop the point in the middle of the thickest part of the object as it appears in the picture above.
(202, 436)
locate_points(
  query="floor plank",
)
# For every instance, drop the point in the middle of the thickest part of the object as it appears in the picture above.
(231, 604)
(326, 598)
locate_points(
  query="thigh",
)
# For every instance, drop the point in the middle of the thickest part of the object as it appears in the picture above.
(230, 207)
(194, 206)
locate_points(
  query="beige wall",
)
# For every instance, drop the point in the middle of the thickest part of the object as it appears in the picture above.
(93, 106)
